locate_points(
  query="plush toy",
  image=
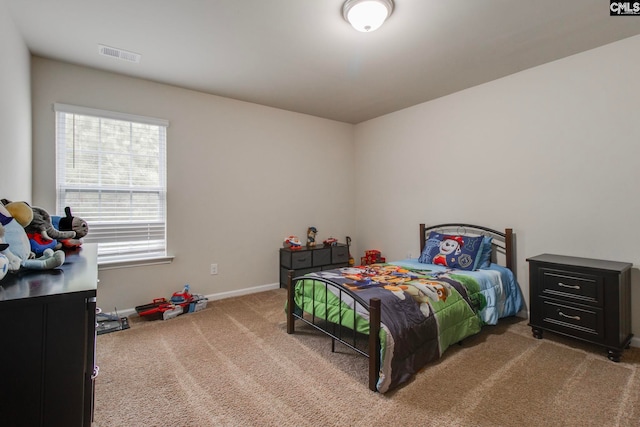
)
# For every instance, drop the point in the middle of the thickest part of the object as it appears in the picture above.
(292, 242)
(70, 223)
(14, 217)
(4, 266)
(4, 261)
(40, 243)
(311, 236)
(41, 233)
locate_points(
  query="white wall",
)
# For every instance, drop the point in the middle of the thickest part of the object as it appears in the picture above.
(15, 112)
(241, 177)
(552, 152)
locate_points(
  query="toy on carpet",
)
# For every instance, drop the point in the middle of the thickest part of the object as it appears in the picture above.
(106, 323)
(155, 310)
(181, 302)
(70, 223)
(14, 216)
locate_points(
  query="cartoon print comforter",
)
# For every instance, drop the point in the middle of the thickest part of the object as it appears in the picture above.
(423, 309)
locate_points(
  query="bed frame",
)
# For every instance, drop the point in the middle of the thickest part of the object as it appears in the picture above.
(502, 253)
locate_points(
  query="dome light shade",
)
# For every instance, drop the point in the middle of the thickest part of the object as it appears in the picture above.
(367, 15)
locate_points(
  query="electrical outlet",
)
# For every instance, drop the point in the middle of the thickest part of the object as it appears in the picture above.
(214, 268)
(408, 255)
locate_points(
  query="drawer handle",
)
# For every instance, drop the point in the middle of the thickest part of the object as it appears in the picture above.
(569, 317)
(302, 259)
(568, 286)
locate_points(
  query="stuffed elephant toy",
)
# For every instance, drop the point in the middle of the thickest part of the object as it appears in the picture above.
(70, 223)
(41, 224)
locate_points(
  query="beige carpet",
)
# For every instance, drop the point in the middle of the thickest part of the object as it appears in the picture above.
(233, 364)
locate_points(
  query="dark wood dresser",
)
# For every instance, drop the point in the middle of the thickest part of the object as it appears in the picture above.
(47, 356)
(583, 298)
(307, 260)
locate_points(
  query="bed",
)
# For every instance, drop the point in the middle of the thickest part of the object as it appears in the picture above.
(401, 315)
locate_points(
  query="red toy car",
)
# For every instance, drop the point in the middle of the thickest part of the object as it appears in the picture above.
(155, 310)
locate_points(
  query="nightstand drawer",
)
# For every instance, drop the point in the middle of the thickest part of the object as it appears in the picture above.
(581, 322)
(574, 286)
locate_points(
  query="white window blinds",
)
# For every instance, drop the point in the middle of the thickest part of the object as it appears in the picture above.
(111, 171)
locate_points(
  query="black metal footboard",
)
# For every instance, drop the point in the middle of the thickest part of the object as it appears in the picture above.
(337, 331)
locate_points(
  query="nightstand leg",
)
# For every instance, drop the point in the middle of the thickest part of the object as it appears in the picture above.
(614, 355)
(537, 333)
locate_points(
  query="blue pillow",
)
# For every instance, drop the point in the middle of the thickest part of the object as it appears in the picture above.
(484, 260)
(453, 251)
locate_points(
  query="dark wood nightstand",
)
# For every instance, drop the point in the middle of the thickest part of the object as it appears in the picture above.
(583, 298)
(307, 260)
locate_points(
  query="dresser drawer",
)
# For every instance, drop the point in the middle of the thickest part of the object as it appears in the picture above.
(321, 256)
(576, 321)
(572, 286)
(294, 260)
(284, 274)
(339, 254)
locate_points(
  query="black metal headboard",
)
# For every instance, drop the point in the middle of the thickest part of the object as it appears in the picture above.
(502, 242)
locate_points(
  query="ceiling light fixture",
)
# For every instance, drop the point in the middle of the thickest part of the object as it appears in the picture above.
(367, 15)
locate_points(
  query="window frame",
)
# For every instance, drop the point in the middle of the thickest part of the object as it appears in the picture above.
(121, 259)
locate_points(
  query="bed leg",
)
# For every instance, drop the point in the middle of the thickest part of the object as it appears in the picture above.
(374, 342)
(290, 304)
(508, 248)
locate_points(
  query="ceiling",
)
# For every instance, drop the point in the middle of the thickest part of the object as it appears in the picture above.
(300, 55)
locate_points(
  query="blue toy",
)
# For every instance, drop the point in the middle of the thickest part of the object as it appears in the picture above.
(14, 217)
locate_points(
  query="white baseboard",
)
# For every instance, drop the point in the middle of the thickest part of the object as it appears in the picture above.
(213, 297)
(240, 292)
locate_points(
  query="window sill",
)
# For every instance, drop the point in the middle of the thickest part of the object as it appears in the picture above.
(111, 265)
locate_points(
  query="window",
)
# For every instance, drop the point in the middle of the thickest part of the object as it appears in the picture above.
(111, 171)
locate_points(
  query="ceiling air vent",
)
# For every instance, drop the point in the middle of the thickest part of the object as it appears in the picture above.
(116, 53)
